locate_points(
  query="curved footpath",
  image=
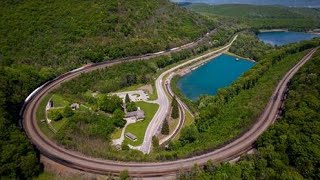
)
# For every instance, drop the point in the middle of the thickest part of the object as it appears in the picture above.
(100, 166)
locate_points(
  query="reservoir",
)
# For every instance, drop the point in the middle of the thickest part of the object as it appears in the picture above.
(283, 38)
(217, 73)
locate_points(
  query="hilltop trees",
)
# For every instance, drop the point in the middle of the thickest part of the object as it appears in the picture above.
(175, 109)
(127, 99)
(109, 103)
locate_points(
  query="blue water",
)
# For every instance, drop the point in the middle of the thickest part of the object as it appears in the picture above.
(283, 38)
(208, 78)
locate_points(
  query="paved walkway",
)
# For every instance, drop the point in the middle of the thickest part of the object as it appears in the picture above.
(134, 96)
(121, 139)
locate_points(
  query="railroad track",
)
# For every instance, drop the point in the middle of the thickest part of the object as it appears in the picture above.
(146, 169)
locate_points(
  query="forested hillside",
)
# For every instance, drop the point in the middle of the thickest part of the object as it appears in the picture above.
(42, 39)
(264, 16)
(73, 32)
(290, 148)
(248, 45)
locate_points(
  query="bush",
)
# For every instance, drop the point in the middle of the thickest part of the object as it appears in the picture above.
(67, 112)
(109, 103)
(131, 106)
(55, 115)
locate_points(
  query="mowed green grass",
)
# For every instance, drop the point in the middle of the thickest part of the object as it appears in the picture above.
(139, 128)
(59, 101)
(117, 133)
(56, 124)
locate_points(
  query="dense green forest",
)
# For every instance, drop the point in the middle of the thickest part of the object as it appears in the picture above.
(264, 17)
(70, 33)
(290, 149)
(42, 39)
(249, 46)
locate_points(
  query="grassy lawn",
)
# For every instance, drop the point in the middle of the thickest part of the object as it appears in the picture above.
(154, 95)
(117, 133)
(173, 123)
(189, 119)
(59, 124)
(139, 128)
(59, 101)
(187, 122)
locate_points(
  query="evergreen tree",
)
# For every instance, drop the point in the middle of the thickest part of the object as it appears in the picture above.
(155, 142)
(165, 127)
(127, 99)
(124, 146)
(175, 109)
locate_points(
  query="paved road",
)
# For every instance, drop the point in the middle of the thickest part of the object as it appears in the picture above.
(156, 169)
(163, 100)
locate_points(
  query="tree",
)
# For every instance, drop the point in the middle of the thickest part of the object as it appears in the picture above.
(124, 146)
(165, 127)
(55, 115)
(124, 175)
(188, 135)
(175, 109)
(131, 107)
(118, 116)
(127, 99)
(109, 103)
(155, 142)
(67, 112)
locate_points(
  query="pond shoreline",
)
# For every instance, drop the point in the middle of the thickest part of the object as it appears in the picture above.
(273, 30)
(186, 70)
(217, 73)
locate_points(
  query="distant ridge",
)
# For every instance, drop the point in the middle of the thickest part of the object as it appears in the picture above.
(183, 3)
(289, 3)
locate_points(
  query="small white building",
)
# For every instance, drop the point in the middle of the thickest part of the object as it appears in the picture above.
(75, 106)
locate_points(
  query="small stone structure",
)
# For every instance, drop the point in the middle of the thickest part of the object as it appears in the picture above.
(75, 106)
(50, 104)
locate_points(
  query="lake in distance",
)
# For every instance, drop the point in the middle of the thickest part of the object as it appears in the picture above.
(283, 38)
(217, 73)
